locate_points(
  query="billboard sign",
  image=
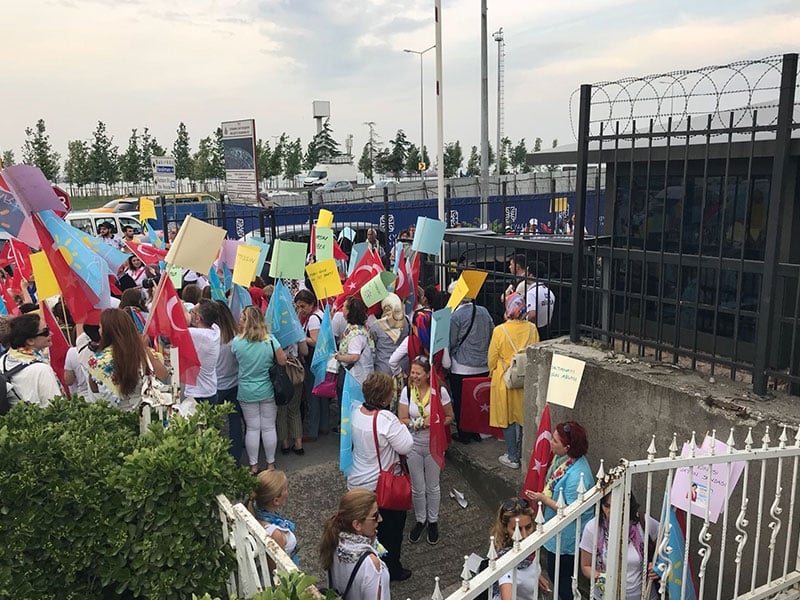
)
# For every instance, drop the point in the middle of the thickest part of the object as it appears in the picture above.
(164, 174)
(239, 142)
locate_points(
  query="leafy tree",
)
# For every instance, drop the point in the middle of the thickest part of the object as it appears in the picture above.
(519, 157)
(474, 163)
(218, 156)
(150, 147)
(38, 151)
(398, 154)
(312, 155)
(7, 159)
(182, 154)
(293, 160)
(201, 161)
(453, 158)
(412, 159)
(537, 145)
(502, 161)
(326, 147)
(425, 158)
(383, 161)
(552, 168)
(366, 164)
(130, 163)
(277, 157)
(263, 154)
(103, 157)
(77, 164)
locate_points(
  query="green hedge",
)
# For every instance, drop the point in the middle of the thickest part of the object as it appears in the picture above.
(91, 509)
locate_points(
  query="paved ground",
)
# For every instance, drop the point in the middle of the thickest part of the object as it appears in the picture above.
(315, 485)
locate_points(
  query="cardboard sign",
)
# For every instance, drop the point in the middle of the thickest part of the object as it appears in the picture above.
(325, 278)
(263, 251)
(46, 284)
(244, 270)
(196, 246)
(347, 233)
(440, 330)
(324, 241)
(458, 293)
(147, 209)
(376, 289)
(565, 379)
(288, 260)
(428, 235)
(474, 281)
(175, 275)
(703, 487)
(325, 218)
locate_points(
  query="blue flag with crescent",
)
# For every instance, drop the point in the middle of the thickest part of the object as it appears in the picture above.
(282, 317)
(679, 577)
(325, 348)
(352, 396)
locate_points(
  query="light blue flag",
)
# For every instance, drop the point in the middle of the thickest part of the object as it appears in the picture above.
(3, 309)
(227, 277)
(217, 291)
(356, 253)
(263, 248)
(677, 545)
(325, 348)
(352, 396)
(239, 300)
(86, 263)
(114, 257)
(152, 235)
(440, 330)
(282, 317)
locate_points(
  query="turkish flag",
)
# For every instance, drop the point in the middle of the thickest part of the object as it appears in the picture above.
(366, 268)
(338, 253)
(6, 256)
(403, 286)
(21, 256)
(540, 455)
(168, 318)
(59, 345)
(438, 438)
(12, 308)
(79, 298)
(147, 253)
(475, 394)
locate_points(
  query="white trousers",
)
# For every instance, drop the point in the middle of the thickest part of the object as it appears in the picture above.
(259, 419)
(425, 492)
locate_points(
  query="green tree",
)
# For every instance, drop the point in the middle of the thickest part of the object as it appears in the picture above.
(366, 164)
(39, 152)
(453, 158)
(218, 156)
(312, 155)
(519, 157)
(397, 156)
(503, 157)
(537, 144)
(201, 161)
(293, 160)
(474, 163)
(103, 157)
(77, 164)
(552, 168)
(130, 163)
(7, 159)
(326, 147)
(383, 161)
(425, 158)
(278, 156)
(263, 163)
(182, 154)
(412, 159)
(150, 147)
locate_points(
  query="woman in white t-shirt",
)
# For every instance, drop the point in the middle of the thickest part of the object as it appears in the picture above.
(513, 513)
(266, 502)
(596, 541)
(356, 348)
(414, 411)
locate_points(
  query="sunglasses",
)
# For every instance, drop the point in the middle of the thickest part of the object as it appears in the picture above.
(374, 517)
(567, 431)
(423, 359)
(44, 332)
(515, 504)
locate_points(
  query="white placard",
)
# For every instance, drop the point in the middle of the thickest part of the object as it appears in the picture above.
(565, 379)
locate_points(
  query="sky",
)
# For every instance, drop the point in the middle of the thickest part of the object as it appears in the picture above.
(150, 63)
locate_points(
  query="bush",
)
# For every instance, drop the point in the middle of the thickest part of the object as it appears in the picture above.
(291, 586)
(90, 509)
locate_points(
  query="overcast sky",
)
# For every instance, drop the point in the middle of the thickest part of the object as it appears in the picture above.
(137, 63)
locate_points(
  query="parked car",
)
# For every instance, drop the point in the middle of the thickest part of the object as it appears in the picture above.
(384, 183)
(129, 204)
(335, 186)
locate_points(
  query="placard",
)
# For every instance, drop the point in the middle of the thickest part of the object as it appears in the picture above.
(325, 218)
(324, 239)
(565, 379)
(196, 246)
(440, 330)
(46, 283)
(376, 289)
(324, 277)
(458, 293)
(474, 280)
(244, 270)
(288, 260)
(428, 236)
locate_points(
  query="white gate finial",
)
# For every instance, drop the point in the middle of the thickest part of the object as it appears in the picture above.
(601, 472)
(783, 439)
(748, 441)
(492, 554)
(651, 449)
(765, 440)
(437, 593)
(673, 447)
(730, 443)
(466, 575)
(517, 537)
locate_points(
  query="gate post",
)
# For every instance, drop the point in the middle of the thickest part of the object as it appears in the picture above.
(580, 208)
(778, 191)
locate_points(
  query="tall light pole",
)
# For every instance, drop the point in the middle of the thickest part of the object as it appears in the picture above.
(421, 101)
(484, 117)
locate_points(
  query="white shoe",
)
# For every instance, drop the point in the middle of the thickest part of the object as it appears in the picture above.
(504, 460)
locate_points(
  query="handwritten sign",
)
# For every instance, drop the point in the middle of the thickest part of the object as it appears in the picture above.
(440, 329)
(175, 274)
(288, 260)
(376, 289)
(244, 270)
(324, 278)
(324, 241)
(565, 379)
(703, 487)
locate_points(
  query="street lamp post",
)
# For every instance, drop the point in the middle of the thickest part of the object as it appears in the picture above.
(421, 102)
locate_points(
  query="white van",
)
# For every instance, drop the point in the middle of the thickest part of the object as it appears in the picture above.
(90, 222)
(323, 173)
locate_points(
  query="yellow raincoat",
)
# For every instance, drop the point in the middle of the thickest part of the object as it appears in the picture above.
(505, 406)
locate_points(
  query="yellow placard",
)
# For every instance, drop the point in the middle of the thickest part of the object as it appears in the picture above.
(324, 277)
(196, 246)
(244, 269)
(147, 209)
(325, 218)
(458, 293)
(565, 379)
(474, 281)
(46, 283)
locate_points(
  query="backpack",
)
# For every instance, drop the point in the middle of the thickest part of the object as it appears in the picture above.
(514, 375)
(6, 387)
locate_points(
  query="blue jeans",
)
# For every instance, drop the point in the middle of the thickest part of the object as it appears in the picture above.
(235, 429)
(513, 437)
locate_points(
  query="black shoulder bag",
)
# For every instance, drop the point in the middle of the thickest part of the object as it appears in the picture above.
(281, 384)
(350, 581)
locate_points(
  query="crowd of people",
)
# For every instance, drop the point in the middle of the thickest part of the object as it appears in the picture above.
(389, 355)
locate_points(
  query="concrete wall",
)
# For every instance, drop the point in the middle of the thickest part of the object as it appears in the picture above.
(624, 401)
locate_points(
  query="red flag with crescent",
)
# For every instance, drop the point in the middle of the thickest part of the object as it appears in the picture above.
(147, 253)
(59, 346)
(540, 455)
(475, 395)
(366, 268)
(403, 286)
(169, 319)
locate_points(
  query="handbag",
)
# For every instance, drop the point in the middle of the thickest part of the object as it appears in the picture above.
(394, 484)
(281, 384)
(326, 389)
(514, 375)
(295, 369)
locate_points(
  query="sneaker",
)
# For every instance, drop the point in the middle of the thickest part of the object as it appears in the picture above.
(416, 533)
(505, 461)
(433, 533)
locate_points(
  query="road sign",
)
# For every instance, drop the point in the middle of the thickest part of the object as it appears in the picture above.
(164, 174)
(422, 166)
(239, 142)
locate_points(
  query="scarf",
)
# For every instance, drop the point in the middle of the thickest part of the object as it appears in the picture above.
(558, 468)
(353, 545)
(521, 566)
(101, 369)
(635, 539)
(28, 355)
(423, 404)
(391, 328)
(273, 518)
(350, 333)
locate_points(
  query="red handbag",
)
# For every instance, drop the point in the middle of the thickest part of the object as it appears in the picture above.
(394, 484)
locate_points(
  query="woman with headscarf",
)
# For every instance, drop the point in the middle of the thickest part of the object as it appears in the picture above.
(388, 332)
(505, 407)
